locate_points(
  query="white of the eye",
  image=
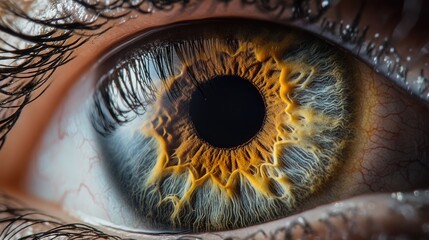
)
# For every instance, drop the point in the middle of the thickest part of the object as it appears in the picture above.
(67, 169)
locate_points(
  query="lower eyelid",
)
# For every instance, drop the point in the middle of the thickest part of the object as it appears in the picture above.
(361, 217)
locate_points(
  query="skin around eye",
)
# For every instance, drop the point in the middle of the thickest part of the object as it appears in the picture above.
(406, 107)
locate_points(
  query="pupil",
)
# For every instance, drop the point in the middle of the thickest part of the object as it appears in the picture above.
(227, 111)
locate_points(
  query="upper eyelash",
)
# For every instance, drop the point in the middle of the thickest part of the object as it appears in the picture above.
(53, 49)
(30, 68)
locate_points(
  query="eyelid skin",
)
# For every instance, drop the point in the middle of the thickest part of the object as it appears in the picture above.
(13, 162)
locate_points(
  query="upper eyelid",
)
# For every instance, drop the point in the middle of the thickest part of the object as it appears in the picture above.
(64, 29)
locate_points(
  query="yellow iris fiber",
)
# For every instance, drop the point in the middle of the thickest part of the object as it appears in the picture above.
(287, 122)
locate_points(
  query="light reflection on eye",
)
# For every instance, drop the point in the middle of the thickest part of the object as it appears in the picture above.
(381, 131)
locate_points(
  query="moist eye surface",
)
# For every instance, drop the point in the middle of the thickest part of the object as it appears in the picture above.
(222, 124)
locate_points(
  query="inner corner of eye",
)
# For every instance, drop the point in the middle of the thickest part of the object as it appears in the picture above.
(222, 124)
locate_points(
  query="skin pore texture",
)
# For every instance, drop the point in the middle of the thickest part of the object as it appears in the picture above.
(389, 149)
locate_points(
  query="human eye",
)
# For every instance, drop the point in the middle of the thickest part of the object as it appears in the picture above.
(375, 148)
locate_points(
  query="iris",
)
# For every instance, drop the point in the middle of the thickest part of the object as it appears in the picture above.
(220, 129)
